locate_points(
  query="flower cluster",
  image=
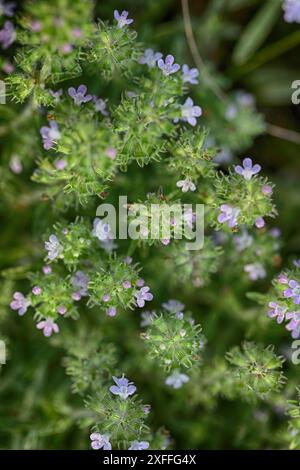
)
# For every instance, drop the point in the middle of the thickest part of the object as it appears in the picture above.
(117, 284)
(193, 268)
(174, 340)
(118, 417)
(113, 283)
(84, 166)
(154, 222)
(50, 135)
(245, 198)
(257, 370)
(284, 301)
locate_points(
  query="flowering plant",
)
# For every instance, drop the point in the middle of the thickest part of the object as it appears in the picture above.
(149, 331)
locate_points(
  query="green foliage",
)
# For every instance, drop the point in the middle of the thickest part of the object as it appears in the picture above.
(132, 137)
(174, 341)
(256, 370)
(113, 50)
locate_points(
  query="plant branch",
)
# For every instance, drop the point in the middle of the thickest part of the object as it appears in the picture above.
(282, 133)
(195, 52)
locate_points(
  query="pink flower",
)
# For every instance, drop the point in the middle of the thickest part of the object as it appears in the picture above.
(36, 290)
(19, 303)
(259, 222)
(48, 326)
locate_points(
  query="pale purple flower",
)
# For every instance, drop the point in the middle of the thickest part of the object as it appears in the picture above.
(143, 295)
(7, 67)
(48, 326)
(282, 279)
(167, 66)
(122, 19)
(106, 298)
(36, 290)
(189, 217)
(53, 247)
(189, 112)
(127, 284)
(111, 153)
(79, 96)
(296, 263)
(244, 98)
(293, 291)
(47, 269)
(176, 379)
(19, 303)
(189, 75)
(100, 105)
(243, 241)
(7, 35)
(123, 387)
(165, 241)
(50, 135)
(76, 296)
(255, 271)
(150, 58)
(276, 311)
(223, 157)
(259, 222)
(7, 8)
(267, 190)
(140, 282)
(291, 11)
(247, 170)
(231, 112)
(294, 324)
(77, 33)
(136, 445)
(61, 164)
(35, 26)
(173, 306)
(15, 165)
(111, 311)
(67, 48)
(275, 232)
(80, 283)
(186, 185)
(61, 309)
(128, 259)
(56, 95)
(108, 245)
(147, 318)
(228, 215)
(101, 230)
(100, 441)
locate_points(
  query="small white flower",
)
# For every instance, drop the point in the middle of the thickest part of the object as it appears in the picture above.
(176, 380)
(150, 58)
(101, 230)
(189, 217)
(186, 185)
(53, 247)
(243, 241)
(255, 271)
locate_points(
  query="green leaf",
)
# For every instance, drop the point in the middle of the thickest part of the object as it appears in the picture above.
(257, 31)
